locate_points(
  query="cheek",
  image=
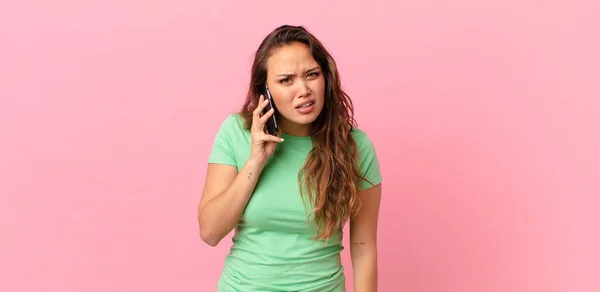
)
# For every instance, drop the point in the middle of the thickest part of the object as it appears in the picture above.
(319, 85)
(319, 89)
(283, 99)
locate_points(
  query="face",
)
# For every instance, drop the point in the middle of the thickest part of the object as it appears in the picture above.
(297, 85)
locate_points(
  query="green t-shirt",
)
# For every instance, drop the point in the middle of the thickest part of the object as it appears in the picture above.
(273, 249)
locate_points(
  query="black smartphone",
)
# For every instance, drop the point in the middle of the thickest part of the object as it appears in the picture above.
(271, 124)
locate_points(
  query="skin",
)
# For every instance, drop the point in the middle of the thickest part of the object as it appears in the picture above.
(293, 78)
(363, 240)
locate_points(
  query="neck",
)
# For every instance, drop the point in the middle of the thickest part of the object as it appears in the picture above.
(294, 129)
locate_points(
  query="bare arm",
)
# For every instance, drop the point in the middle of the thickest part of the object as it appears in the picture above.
(225, 195)
(363, 241)
(227, 192)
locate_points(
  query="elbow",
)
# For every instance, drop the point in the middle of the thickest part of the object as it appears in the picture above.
(209, 237)
(210, 241)
(205, 234)
(211, 232)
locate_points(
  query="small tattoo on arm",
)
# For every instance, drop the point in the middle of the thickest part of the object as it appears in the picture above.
(359, 243)
(249, 176)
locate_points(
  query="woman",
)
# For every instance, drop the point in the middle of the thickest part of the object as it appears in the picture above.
(288, 195)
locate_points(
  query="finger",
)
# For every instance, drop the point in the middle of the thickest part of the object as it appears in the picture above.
(258, 124)
(262, 103)
(266, 116)
(255, 112)
(271, 138)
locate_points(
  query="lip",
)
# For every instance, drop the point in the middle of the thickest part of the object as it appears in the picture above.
(306, 110)
(307, 102)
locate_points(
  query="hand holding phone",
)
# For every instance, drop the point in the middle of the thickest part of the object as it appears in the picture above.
(264, 144)
(271, 124)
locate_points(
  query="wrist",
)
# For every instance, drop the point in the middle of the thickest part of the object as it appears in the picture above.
(254, 164)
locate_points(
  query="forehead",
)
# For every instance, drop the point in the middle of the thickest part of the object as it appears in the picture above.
(292, 57)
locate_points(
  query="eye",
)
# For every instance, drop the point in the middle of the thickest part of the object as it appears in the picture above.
(284, 80)
(313, 74)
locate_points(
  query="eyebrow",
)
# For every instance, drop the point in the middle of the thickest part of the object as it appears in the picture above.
(311, 69)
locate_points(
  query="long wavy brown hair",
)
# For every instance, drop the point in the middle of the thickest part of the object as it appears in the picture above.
(330, 173)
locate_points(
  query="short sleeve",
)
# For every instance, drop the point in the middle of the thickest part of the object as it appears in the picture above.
(222, 150)
(368, 161)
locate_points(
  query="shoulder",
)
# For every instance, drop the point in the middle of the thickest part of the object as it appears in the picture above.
(230, 136)
(233, 120)
(232, 128)
(233, 123)
(368, 162)
(363, 141)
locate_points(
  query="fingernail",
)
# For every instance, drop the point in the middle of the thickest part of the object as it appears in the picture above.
(281, 139)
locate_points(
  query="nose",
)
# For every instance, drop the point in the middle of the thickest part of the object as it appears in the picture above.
(303, 89)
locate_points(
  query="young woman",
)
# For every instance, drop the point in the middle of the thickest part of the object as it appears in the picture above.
(288, 195)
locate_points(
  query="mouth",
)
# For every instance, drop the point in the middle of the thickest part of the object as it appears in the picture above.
(305, 105)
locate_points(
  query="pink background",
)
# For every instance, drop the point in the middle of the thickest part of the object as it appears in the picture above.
(485, 117)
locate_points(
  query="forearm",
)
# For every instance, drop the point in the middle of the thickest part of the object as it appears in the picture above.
(220, 215)
(364, 267)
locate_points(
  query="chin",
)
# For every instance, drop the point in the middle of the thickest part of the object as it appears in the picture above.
(293, 116)
(306, 119)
